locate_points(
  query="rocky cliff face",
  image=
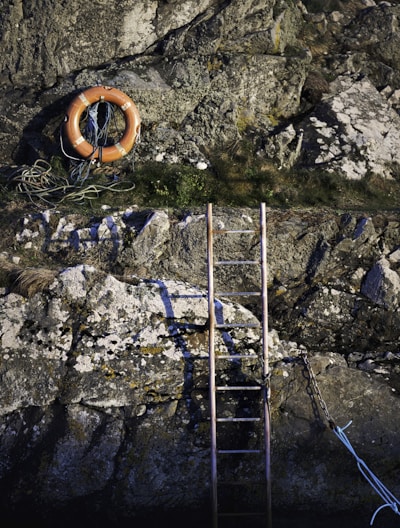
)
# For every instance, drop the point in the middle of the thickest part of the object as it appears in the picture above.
(302, 86)
(103, 343)
(105, 372)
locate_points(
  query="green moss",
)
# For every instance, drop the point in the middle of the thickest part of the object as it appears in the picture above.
(236, 177)
(152, 350)
(245, 120)
(169, 185)
(274, 120)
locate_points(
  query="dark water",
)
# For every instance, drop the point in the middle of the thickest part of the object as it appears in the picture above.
(280, 520)
(348, 520)
(385, 519)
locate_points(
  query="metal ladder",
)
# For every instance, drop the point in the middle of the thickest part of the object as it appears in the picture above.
(233, 455)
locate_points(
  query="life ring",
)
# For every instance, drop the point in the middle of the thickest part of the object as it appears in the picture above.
(95, 95)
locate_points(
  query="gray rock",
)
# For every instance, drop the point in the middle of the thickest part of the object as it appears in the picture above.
(202, 82)
(353, 132)
(382, 284)
(105, 379)
(339, 270)
(118, 403)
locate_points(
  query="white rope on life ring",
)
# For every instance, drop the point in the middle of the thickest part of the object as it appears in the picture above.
(98, 94)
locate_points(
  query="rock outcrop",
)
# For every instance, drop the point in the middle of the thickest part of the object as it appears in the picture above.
(105, 391)
(103, 343)
(339, 269)
(203, 81)
(352, 132)
(105, 374)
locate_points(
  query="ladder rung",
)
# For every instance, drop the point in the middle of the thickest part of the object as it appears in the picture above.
(233, 419)
(237, 325)
(231, 231)
(235, 262)
(243, 483)
(238, 388)
(237, 294)
(237, 356)
(238, 451)
(243, 514)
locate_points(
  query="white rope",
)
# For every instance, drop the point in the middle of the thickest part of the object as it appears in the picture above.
(40, 184)
(390, 501)
(388, 498)
(95, 134)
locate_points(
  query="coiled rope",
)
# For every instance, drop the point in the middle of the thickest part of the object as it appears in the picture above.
(40, 184)
(390, 501)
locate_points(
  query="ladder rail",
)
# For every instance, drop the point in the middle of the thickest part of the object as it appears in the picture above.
(211, 353)
(265, 353)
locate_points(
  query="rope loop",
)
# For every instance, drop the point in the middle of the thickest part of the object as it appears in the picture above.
(390, 501)
(41, 185)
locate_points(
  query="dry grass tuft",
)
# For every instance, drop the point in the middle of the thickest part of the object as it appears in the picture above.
(25, 281)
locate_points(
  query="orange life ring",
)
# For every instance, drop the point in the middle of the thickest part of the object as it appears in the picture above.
(95, 95)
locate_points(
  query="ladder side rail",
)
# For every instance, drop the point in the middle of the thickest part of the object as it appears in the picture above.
(265, 354)
(211, 354)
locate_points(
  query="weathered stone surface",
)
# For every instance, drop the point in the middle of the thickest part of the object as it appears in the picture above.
(203, 81)
(350, 395)
(353, 131)
(364, 33)
(76, 35)
(104, 398)
(198, 77)
(117, 406)
(118, 377)
(340, 270)
(382, 284)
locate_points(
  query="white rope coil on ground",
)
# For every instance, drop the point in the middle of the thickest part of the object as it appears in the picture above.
(39, 183)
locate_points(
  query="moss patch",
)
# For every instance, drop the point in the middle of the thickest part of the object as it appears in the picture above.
(236, 177)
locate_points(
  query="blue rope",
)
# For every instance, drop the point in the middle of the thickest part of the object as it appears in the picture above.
(96, 135)
(388, 498)
(93, 132)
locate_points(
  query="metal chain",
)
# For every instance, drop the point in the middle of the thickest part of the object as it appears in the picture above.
(316, 390)
(389, 499)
